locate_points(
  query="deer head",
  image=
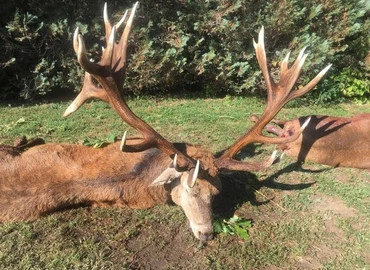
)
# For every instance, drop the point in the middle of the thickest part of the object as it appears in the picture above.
(194, 172)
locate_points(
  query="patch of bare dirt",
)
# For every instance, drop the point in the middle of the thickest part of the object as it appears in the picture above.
(319, 254)
(168, 248)
(323, 203)
(332, 208)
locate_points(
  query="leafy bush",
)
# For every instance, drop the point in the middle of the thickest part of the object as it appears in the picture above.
(207, 45)
(38, 57)
(349, 84)
(191, 45)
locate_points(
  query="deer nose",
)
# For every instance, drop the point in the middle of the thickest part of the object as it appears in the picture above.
(204, 237)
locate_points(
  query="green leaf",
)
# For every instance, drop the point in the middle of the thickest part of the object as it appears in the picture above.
(244, 223)
(234, 226)
(217, 226)
(242, 232)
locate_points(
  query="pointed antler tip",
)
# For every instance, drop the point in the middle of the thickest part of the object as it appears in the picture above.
(135, 5)
(305, 124)
(175, 159)
(81, 45)
(326, 68)
(195, 173)
(71, 109)
(301, 54)
(273, 155)
(75, 40)
(323, 72)
(273, 159)
(105, 12)
(286, 59)
(123, 141)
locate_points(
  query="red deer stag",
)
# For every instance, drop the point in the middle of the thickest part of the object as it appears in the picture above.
(334, 141)
(139, 172)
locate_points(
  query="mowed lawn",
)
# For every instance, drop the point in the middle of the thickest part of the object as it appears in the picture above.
(303, 217)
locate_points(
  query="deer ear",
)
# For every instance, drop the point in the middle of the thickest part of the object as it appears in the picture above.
(166, 177)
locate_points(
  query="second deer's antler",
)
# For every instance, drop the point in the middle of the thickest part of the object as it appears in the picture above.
(278, 94)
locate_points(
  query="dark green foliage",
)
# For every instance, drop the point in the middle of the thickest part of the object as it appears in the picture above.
(181, 46)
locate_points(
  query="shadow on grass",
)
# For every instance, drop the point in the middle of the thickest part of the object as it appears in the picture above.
(293, 167)
(241, 187)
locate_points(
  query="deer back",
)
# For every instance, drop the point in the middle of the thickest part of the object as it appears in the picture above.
(52, 176)
(334, 141)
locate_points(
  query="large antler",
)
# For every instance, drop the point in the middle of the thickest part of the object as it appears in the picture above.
(109, 73)
(278, 94)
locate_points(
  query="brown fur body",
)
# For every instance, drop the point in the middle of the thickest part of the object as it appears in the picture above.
(49, 177)
(334, 141)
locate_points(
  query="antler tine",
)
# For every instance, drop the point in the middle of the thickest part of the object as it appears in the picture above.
(261, 58)
(278, 94)
(107, 23)
(75, 40)
(311, 84)
(89, 90)
(85, 63)
(124, 38)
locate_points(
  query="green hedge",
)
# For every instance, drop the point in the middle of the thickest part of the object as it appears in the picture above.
(188, 45)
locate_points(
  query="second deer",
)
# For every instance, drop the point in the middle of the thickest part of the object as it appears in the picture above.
(328, 140)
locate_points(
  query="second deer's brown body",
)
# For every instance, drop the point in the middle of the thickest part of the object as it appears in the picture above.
(334, 141)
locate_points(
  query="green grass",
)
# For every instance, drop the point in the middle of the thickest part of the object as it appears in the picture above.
(316, 218)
